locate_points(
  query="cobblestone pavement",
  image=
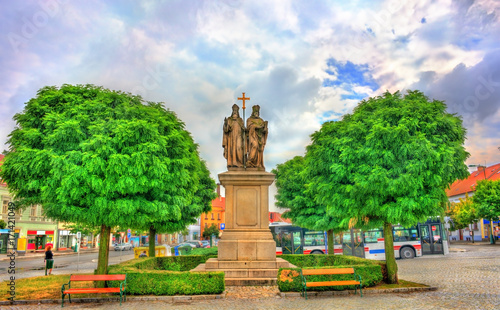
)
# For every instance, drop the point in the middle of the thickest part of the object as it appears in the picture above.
(465, 280)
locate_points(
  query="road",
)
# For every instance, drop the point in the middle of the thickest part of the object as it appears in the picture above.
(64, 264)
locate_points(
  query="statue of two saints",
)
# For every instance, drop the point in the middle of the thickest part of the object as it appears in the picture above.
(244, 147)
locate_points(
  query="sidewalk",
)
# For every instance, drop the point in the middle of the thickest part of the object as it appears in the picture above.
(42, 254)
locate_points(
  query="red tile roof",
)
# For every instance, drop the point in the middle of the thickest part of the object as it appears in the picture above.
(468, 185)
(219, 202)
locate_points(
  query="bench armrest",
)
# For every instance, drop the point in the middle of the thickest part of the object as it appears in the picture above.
(68, 284)
(358, 277)
(123, 284)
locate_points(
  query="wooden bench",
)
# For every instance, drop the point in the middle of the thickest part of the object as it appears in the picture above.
(334, 271)
(92, 290)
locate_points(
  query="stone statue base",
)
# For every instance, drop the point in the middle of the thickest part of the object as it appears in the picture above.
(247, 250)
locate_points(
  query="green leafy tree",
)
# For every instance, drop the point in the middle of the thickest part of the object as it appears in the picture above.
(487, 201)
(389, 161)
(200, 201)
(85, 229)
(464, 213)
(2, 224)
(212, 230)
(101, 158)
(293, 194)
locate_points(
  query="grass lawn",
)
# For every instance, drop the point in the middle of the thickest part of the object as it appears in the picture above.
(402, 283)
(46, 287)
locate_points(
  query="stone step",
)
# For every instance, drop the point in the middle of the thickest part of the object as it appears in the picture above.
(251, 281)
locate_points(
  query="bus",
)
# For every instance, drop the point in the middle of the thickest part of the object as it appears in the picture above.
(426, 238)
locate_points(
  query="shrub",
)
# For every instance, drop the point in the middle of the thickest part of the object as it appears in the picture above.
(169, 276)
(212, 252)
(289, 278)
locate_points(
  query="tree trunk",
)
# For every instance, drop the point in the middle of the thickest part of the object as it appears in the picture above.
(329, 236)
(390, 259)
(152, 243)
(472, 234)
(102, 262)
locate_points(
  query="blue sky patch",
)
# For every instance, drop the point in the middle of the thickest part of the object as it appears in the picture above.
(354, 96)
(348, 75)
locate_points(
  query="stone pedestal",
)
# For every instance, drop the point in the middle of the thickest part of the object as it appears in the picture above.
(247, 251)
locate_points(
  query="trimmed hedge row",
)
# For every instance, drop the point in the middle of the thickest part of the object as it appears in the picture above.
(168, 276)
(289, 279)
(332, 260)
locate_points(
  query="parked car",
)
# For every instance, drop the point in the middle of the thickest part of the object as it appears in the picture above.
(123, 247)
(186, 243)
(206, 243)
(196, 243)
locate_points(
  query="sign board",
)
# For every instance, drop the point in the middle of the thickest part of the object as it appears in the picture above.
(128, 235)
(222, 226)
(433, 228)
(129, 230)
(79, 235)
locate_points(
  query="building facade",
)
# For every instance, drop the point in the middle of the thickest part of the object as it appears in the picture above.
(461, 188)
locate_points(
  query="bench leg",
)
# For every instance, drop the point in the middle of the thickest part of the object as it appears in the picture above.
(69, 297)
(120, 298)
(360, 290)
(62, 297)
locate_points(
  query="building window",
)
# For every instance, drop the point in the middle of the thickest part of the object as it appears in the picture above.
(206, 216)
(218, 216)
(212, 216)
(33, 211)
(206, 225)
(5, 206)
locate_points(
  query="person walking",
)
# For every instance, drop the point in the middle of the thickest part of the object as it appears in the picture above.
(49, 259)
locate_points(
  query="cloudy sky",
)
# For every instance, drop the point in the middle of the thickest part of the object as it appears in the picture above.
(303, 62)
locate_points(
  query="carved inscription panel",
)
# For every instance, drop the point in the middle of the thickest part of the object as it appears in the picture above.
(247, 206)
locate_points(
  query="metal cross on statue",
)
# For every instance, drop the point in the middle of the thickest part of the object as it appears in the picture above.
(243, 98)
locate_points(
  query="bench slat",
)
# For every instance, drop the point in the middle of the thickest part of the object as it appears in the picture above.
(331, 283)
(103, 277)
(92, 290)
(311, 272)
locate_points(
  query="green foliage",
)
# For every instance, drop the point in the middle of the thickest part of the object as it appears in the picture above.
(211, 252)
(95, 156)
(2, 224)
(85, 229)
(153, 276)
(293, 194)
(390, 161)
(463, 213)
(212, 230)
(487, 199)
(289, 278)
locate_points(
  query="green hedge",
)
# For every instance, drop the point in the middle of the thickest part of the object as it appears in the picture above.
(332, 260)
(168, 276)
(289, 280)
(211, 252)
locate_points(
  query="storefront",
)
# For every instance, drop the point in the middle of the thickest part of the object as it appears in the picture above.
(39, 239)
(4, 238)
(67, 240)
(486, 229)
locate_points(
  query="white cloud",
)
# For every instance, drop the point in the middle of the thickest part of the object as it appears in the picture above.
(198, 57)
